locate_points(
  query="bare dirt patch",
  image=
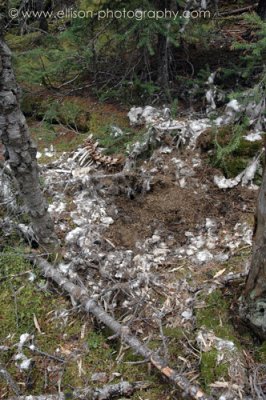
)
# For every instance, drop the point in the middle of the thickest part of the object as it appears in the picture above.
(174, 210)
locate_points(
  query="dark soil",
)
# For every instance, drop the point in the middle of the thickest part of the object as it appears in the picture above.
(173, 210)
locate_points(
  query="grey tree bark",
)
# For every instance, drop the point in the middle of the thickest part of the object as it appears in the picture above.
(20, 149)
(253, 307)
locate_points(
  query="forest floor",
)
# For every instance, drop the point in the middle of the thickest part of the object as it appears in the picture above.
(153, 250)
(156, 247)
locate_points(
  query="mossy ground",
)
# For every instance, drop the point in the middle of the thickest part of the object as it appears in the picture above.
(53, 121)
(230, 151)
(260, 353)
(63, 121)
(64, 139)
(84, 348)
(215, 316)
(220, 316)
(210, 370)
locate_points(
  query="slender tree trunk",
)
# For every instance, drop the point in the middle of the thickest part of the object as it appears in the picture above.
(20, 150)
(164, 49)
(254, 305)
(163, 72)
(262, 9)
(41, 7)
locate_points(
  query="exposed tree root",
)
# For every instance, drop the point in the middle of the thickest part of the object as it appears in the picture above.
(90, 306)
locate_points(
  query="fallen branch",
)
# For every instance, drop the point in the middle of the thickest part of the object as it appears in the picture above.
(222, 281)
(90, 306)
(258, 382)
(107, 392)
(233, 277)
(34, 349)
(238, 11)
(41, 397)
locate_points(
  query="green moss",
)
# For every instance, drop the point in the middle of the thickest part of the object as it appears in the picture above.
(231, 151)
(18, 302)
(117, 145)
(247, 148)
(130, 356)
(101, 128)
(22, 42)
(173, 333)
(215, 316)
(260, 353)
(94, 351)
(12, 262)
(31, 105)
(210, 370)
(70, 113)
(233, 165)
(46, 135)
(76, 114)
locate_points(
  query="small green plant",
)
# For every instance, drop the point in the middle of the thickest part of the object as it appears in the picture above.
(67, 113)
(95, 340)
(223, 152)
(174, 108)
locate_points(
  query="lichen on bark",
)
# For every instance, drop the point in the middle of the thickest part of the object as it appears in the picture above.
(21, 151)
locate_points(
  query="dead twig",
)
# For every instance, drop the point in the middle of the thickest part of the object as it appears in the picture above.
(233, 277)
(258, 382)
(220, 282)
(12, 276)
(237, 11)
(43, 353)
(90, 306)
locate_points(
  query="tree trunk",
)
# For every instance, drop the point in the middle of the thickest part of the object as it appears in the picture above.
(262, 9)
(41, 7)
(254, 307)
(163, 51)
(21, 151)
(163, 73)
